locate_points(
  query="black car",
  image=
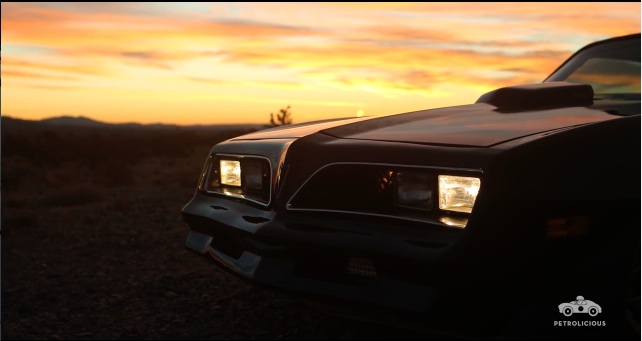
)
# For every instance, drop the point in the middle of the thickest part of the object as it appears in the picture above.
(478, 220)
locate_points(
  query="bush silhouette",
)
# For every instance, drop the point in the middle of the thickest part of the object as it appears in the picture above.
(284, 117)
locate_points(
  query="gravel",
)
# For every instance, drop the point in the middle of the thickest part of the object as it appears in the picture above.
(116, 268)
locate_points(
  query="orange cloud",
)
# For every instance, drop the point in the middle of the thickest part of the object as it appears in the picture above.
(377, 56)
(404, 70)
(30, 74)
(59, 28)
(86, 69)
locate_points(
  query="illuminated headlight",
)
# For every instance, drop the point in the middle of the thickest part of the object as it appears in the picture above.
(414, 190)
(458, 193)
(242, 176)
(230, 172)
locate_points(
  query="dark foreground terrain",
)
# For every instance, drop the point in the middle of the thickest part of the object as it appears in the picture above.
(92, 244)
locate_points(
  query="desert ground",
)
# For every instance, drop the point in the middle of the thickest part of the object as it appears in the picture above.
(93, 244)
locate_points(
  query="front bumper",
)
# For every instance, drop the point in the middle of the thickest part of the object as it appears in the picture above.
(323, 255)
(396, 267)
(283, 274)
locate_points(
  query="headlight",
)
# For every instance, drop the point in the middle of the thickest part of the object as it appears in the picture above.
(458, 193)
(242, 176)
(414, 190)
(255, 173)
(230, 172)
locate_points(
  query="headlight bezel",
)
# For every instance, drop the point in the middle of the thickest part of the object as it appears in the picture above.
(211, 182)
(313, 198)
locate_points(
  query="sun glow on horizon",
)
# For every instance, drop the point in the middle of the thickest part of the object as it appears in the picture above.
(217, 63)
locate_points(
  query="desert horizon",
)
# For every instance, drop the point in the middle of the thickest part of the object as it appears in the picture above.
(86, 121)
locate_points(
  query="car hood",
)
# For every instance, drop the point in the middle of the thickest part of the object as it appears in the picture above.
(477, 125)
(499, 116)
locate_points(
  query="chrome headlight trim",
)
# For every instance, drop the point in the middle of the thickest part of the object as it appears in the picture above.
(206, 178)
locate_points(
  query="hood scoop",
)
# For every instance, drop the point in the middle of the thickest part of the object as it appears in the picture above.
(541, 95)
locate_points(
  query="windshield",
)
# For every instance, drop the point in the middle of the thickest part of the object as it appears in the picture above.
(611, 68)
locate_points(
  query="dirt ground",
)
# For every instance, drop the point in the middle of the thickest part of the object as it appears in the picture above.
(95, 250)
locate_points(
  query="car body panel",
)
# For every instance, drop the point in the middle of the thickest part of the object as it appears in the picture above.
(476, 125)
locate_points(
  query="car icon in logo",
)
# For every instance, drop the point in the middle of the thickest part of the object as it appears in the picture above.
(580, 306)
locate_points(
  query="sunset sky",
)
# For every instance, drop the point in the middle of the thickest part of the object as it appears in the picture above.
(209, 63)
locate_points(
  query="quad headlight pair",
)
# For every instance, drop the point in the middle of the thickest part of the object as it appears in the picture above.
(249, 173)
(242, 176)
(455, 193)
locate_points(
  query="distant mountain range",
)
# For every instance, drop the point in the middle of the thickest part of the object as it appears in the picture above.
(81, 121)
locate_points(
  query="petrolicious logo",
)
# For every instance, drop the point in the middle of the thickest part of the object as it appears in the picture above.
(580, 306)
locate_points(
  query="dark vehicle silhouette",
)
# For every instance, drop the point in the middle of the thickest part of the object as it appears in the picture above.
(475, 219)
